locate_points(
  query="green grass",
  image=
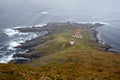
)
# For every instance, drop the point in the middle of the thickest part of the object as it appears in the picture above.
(62, 61)
(55, 49)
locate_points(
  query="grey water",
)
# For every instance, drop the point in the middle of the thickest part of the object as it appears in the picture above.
(14, 13)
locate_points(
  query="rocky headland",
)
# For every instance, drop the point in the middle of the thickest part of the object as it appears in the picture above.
(51, 28)
(53, 57)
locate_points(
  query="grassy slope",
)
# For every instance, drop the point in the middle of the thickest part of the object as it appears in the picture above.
(82, 61)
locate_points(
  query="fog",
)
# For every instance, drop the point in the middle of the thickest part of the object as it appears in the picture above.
(14, 13)
(18, 12)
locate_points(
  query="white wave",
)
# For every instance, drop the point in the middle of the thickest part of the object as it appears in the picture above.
(6, 59)
(39, 25)
(30, 36)
(18, 27)
(36, 26)
(11, 32)
(30, 26)
(44, 12)
(16, 42)
(18, 37)
(12, 45)
(34, 35)
(21, 26)
(105, 23)
(99, 35)
(101, 41)
(21, 34)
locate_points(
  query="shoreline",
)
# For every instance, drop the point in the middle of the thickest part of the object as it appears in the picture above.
(66, 61)
(52, 28)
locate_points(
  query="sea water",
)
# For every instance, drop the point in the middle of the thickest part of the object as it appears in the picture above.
(26, 13)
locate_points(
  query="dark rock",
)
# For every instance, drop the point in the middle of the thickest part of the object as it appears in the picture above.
(20, 55)
(31, 49)
(38, 55)
(30, 55)
(29, 29)
(20, 61)
(106, 47)
(31, 43)
(51, 28)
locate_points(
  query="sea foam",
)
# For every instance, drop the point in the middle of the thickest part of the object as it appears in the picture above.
(105, 23)
(101, 41)
(16, 38)
(6, 59)
(40, 25)
(11, 32)
(12, 45)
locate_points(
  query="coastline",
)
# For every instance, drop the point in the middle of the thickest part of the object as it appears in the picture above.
(52, 28)
(56, 58)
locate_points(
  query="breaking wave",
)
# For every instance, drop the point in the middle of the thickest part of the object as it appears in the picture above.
(100, 40)
(6, 59)
(11, 32)
(15, 38)
(105, 23)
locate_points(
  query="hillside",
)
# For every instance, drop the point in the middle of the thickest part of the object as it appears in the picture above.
(85, 60)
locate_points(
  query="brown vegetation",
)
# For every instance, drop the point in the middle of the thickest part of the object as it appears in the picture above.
(81, 61)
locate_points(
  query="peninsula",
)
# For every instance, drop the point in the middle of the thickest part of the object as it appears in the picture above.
(53, 57)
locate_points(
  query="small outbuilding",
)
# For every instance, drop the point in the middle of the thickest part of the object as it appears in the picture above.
(72, 41)
(77, 34)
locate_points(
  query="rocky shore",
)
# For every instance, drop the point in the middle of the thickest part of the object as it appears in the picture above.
(51, 28)
(55, 58)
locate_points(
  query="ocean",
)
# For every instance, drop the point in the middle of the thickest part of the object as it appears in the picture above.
(27, 13)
